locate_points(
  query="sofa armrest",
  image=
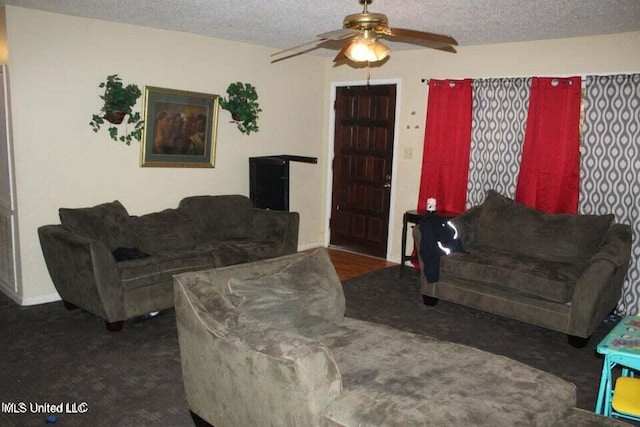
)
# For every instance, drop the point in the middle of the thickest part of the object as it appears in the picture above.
(277, 226)
(229, 359)
(616, 246)
(599, 286)
(466, 224)
(83, 271)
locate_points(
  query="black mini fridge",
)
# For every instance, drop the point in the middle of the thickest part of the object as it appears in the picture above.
(269, 180)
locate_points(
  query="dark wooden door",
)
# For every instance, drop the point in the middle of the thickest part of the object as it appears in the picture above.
(363, 157)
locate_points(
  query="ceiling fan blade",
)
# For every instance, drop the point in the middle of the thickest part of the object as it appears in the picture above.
(291, 55)
(444, 48)
(296, 47)
(341, 34)
(424, 43)
(421, 35)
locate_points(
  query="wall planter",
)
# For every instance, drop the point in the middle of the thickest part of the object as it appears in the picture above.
(242, 103)
(118, 102)
(115, 116)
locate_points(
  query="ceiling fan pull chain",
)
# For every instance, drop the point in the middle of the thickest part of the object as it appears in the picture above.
(368, 73)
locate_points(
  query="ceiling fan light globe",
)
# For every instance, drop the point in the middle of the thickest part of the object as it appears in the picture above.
(367, 50)
(358, 51)
(380, 51)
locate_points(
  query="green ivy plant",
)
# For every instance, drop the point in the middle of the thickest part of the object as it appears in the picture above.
(118, 102)
(242, 103)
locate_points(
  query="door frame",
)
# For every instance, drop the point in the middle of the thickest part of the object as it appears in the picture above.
(394, 164)
(9, 207)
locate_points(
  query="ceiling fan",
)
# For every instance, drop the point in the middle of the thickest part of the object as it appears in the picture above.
(360, 34)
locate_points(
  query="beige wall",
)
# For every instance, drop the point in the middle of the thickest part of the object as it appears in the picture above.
(617, 53)
(55, 64)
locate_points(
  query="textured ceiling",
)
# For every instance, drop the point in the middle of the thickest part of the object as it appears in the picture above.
(284, 23)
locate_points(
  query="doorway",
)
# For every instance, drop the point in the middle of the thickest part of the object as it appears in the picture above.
(362, 168)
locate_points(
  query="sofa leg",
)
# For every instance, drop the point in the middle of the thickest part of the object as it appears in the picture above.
(578, 342)
(70, 306)
(114, 326)
(430, 301)
(199, 422)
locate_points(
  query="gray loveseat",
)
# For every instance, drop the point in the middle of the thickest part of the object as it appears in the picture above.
(559, 271)
(267, 344)
(118, 266)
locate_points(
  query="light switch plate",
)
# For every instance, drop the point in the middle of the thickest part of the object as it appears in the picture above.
(408, 153)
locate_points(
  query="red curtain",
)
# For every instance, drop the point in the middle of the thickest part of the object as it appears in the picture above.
(447, 143)
(550, 166)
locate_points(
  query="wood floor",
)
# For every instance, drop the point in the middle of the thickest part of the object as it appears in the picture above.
(350, 264)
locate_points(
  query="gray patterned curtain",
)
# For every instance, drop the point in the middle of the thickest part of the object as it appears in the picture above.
(499, 118)
(610, 169)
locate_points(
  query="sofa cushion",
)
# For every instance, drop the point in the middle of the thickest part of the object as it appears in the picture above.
(219, 217)
(549, 280)
(305, 296)
(107, 222)
(167, 230)
(237, 251)
(397, 378)
(511, 227)
(161, 267)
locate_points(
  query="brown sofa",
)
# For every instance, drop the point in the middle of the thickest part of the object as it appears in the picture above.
(118, 266)
(562, 272)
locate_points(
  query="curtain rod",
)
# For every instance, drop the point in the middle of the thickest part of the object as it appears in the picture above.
(583, 79)
(582, 76)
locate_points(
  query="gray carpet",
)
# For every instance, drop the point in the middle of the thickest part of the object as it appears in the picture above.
(49, 355)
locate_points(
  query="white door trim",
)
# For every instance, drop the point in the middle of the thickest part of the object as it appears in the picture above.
(9, 251)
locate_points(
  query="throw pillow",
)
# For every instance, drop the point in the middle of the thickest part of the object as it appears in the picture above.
(305, 297)
(167, 230)
(219, 217)
(107, 222)
(507, 226)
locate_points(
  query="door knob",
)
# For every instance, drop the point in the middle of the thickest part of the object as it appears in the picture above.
(387, 181)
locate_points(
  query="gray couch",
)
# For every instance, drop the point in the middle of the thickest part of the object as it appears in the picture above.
(267, 344)
(562, 272)
(118, 266)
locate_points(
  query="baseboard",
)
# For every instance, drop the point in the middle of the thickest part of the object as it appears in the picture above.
(394, 258)
(14, 296)
(307, 246)
(40, 299)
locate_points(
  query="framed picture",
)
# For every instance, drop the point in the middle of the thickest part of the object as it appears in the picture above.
(180, 128)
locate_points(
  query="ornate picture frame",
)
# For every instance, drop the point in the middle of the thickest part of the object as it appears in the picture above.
(180, 129)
